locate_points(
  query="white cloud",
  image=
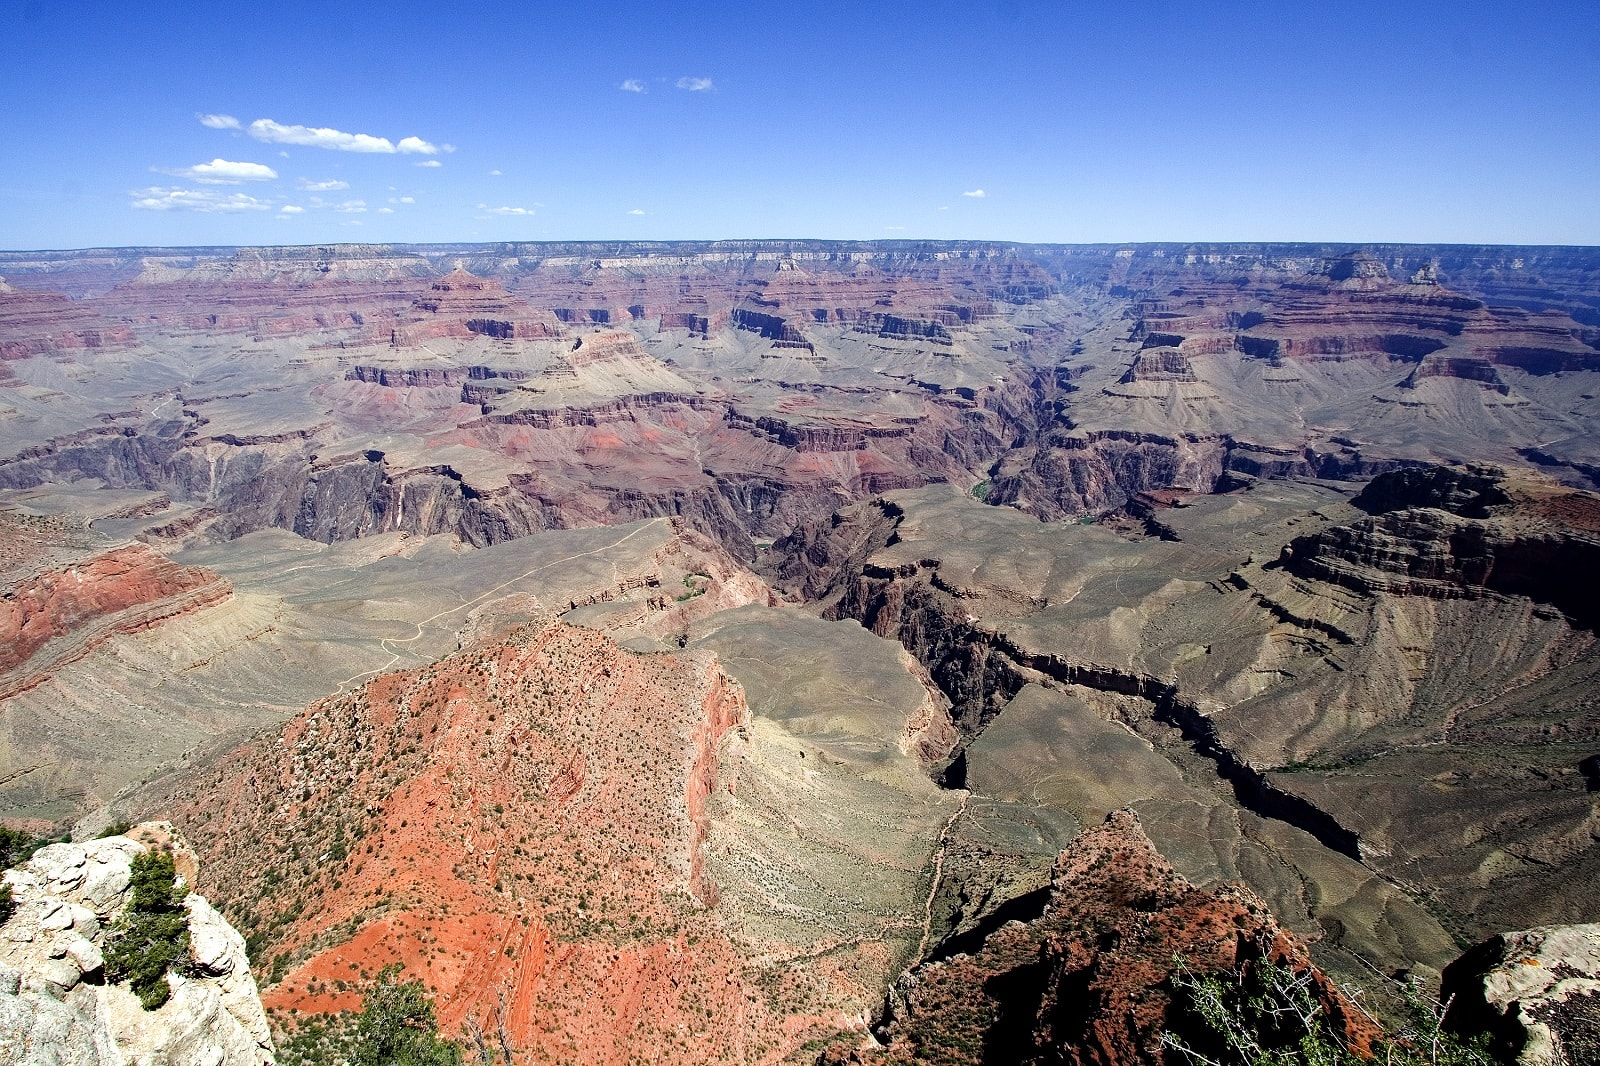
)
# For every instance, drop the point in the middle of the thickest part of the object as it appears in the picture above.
(264, 129)
(352, 207)
(944, 207)
(636, 211)
(223, 172)
(508, 210)
(385, 210)
(417, 146)
(976, 194)
(402, 199)
(894, 227)
(494, 173)
(202, 200)
(632, 85)
(291, 209)
(352, 222)
(430, 163)
(219, 122)
(694, 85)
(331, 185)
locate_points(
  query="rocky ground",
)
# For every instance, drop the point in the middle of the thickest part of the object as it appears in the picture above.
(56, 1008)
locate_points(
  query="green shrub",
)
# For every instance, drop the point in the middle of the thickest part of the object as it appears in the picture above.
(8, 906)
(16, 847)
(1264, 1014)
(397, 1027)
(152, 935)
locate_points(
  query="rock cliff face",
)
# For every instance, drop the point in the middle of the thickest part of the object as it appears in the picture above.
(61, 615)
(1462, 533)
(1088, 979)
(55, 1008)
(1536, 992)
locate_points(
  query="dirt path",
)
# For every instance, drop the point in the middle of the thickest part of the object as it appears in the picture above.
(938, 877)
(387, 643)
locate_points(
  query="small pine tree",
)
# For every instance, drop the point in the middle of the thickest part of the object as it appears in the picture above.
(152, 935)
(15, 847)
(397, 1026)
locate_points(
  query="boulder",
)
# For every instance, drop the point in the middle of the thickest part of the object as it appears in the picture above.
(54, 1008)
(1536, 992)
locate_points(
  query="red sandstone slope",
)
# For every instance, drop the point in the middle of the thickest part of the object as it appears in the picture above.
(520, 825)
(62, 614)
(1087, 982)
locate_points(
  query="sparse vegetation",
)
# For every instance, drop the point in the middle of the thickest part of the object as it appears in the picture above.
(17, 847)
(980, 491)
(1265, 1014)
(396, 1026)
(152, 936)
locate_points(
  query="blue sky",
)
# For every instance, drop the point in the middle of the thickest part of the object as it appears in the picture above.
(1354, 121)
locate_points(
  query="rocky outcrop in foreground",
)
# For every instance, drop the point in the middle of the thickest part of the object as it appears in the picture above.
(57, 1010)
(1537, 992)
(1089, 980)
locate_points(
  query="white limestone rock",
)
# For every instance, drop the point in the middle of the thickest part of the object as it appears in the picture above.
(54, 1010)
(1538, 990)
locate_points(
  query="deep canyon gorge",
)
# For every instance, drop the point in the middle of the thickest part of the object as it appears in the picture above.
(808, 651)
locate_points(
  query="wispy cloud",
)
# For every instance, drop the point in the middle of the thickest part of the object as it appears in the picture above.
(219, 122)
(894, 228)
(352, 207)
(402, 199)
(291, 209)
(223, 172)
(331, 185)
(385, 210)
(632, 85)
(265, 129)
(520, 211)
(203, 201)
(976, 194)
(418, 146)
(636, 211)
(494, 173)
(944, 207)
(429, 163)
(694, 85)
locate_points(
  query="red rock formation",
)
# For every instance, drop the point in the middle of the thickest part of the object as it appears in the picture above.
(36, 323)
(520, 825)
(1088, 981)
(61, 615)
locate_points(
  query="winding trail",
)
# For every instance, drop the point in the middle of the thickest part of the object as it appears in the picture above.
(387, 642)
(938, 877)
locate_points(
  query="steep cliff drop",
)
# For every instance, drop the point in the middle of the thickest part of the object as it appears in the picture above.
(56, 1008)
